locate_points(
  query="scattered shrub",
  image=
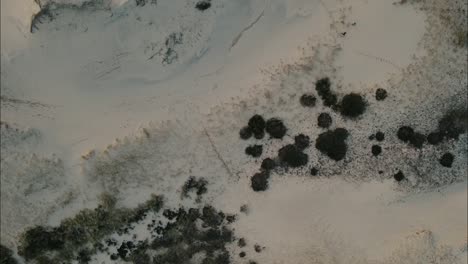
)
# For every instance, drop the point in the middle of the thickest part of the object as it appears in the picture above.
(308, 100)
(332, 143)
(447, 160)
(324, 120)
(275, 128)
(352, 105)
(292, 156)
(254, 150)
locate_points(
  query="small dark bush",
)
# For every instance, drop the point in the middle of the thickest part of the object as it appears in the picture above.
(399, 176)
(380, 94)
(453, 124)
(193, 184)
(241, 242)
(314, 171)
(275, 128)
(324, 120)
(379, 136)
(259, 182)
(6, 256)
(353, 105)
(38, 240)
(376, 150)
(258, 248)
(434, 138)
(332, 143)
(447, 160)
(405, 133)
(260, 134)
(254, 150)
(203, 5)
(268, 164)
(257, 125)
(302, 141)
(308, 100)
(245, 133)
(322, 87)
(242, 254)
(292, 156)
(417, 140)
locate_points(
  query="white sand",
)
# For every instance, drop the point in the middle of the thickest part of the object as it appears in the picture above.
(86, 82)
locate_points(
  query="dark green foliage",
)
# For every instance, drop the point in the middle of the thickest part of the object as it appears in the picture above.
(324, 120)
(417, 140)
(308, 100)
(302, 141)
(290, 155)
(259, 182)
(66, 241)
(447, 160)
(6, 256)
(254, 150)
(380, 94)
(268, 164)
(399, 176)
(193, 184)
(182, 239)
(405, 133)
(275, 128)
(322, 87)
(245, 133)
(380, 136)
(40, 239)
(257, 126)
(203, 5)
(352, 105)
(333, 143)
(376, 150)
(453, 124)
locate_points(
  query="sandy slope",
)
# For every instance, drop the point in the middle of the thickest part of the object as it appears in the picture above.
(96, 77)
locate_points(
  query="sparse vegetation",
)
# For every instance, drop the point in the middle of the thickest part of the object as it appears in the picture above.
(6, 256)
(333, 143)
(66, 241)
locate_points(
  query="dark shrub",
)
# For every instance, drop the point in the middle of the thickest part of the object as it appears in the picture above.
(308, 100)
(434, 138)
(380, 94)
(292, 156)
(257, 125)
(379, 136)
(447, 160)
(254, 150)
(268, 164)
(203, 5)
(352, 105)
(324, 120)
(275, 128)
(6, 256)
(399, 176)
(38, 240)
(376, 150)
(322, 87)
(453, 124)
(245, 133)
(405, 133)
(193, 184)
(259, 182)
(314, 171)
(302, 141)
(241, 242)
(417, 140)
(332, 143)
